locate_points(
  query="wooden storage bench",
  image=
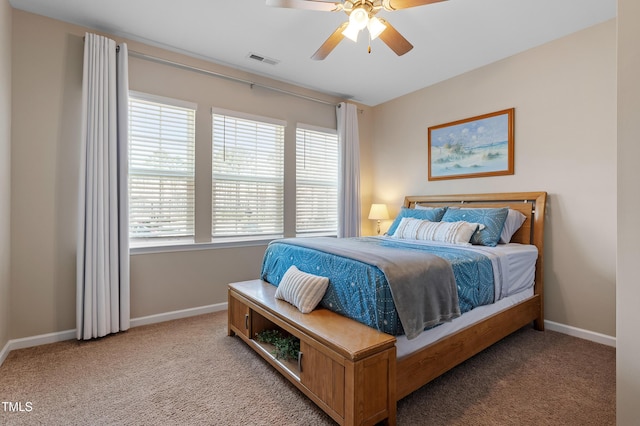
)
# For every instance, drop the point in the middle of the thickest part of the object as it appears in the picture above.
(346, 368)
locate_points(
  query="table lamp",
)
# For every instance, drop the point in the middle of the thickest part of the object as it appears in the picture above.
(378, 212)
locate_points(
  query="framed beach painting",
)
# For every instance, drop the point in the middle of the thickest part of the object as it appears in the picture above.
(473, 147)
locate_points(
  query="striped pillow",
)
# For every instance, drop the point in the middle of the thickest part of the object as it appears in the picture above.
(445, 232)
(302, 290)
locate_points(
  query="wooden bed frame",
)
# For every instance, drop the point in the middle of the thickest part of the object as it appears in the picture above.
(353, 373)
(419, 368)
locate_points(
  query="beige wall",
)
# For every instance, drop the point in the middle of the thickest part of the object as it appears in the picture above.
(47, 72)
(5, 167)
(564, 95)
(628, 300)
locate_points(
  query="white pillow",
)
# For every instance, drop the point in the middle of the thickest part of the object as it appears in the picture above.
(302, 290)
(514, 221)
(446, 232)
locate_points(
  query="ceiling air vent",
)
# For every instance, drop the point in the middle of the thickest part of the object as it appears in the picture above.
(261, 58)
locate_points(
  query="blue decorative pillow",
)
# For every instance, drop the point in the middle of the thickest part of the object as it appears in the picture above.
(433, 215)
(492, 219)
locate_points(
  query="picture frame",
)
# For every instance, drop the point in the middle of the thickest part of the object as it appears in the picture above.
(473, 147)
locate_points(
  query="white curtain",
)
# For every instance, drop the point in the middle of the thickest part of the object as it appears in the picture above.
(349, 185)
(103, 238)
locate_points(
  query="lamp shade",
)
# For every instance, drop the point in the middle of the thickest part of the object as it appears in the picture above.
(351, 32)
(359, 18)
(378, 212)
(375, 27)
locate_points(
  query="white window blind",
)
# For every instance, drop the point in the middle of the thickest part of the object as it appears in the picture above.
(161, 167)
(248, 175)
(316, 180)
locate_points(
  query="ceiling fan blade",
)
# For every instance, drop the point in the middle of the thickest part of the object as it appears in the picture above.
(405, 4)
(322, 6)
(330, 43)
(394, 39)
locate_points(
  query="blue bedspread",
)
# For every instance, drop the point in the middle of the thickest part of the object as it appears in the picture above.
(361, 292)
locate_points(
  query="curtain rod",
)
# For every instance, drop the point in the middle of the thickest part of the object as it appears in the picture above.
(146, 57)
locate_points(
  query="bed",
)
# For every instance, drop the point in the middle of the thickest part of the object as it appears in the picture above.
(426, 355)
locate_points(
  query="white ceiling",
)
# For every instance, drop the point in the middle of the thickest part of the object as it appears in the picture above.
(450, 38)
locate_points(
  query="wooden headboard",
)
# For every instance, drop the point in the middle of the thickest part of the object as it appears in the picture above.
(531, 204)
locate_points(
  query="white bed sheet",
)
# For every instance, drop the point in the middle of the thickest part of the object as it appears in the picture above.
(514, 265)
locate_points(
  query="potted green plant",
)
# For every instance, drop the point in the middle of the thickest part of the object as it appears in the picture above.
(286, 346)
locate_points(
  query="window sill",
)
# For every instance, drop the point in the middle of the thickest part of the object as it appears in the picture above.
(177, 246)
(316, 234)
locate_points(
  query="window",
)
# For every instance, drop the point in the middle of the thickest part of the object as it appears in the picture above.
(247, 175)
(161, 168)
(316, 180)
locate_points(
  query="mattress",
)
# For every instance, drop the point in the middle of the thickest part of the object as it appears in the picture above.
(361, 292)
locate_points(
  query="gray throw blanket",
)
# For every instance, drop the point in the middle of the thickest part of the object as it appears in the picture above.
(422, 284)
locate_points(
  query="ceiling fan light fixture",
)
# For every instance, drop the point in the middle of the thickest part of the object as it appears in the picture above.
(351, 32)
(358, 18)
(375, 27)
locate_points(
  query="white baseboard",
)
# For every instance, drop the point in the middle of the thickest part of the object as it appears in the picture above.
(185, 313)
(4, 353)
(581, 333)
(43, 339)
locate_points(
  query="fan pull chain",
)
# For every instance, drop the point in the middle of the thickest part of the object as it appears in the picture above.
(369, 50)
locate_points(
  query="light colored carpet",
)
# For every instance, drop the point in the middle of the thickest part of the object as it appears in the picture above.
(189, 372)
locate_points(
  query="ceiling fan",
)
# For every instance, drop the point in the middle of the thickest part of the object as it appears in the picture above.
(361, 14)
